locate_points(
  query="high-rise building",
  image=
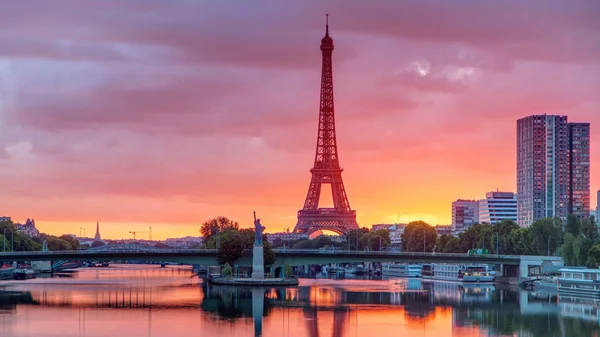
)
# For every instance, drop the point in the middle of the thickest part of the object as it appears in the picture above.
(598, 208)
(579, 170)
(465, 213)
(498, 206)
(552, 168)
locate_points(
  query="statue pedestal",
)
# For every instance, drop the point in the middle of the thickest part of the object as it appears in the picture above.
(258, 262)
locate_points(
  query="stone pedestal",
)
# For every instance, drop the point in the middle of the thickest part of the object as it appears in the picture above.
(258, 262)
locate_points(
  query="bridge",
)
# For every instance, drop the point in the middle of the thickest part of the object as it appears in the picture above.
(508, 265)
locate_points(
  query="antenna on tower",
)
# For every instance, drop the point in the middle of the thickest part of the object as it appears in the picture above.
(327, 24)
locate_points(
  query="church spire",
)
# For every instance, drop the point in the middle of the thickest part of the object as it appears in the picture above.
(97, 236)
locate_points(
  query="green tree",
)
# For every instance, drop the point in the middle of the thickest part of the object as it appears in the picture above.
(231, 246)
(227, 271)
(547, 235)
(502, 231)
(573, 225)
(566, 250)
(521, 240)
(593, 255)
(353, 238)
(219, 224)
(419, 236)
(589, 229)
(442, 243)
(71, 240)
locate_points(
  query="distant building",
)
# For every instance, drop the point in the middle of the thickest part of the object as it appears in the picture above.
(380, 226)
(553, 168)
(185, 242)
(396, 231)
(5, 218)
(444, 229)
(28, 228)
(465, 213)
(498, 206)
(598, 208)
(286, 236)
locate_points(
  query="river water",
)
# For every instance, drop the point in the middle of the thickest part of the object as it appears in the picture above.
(146, 300)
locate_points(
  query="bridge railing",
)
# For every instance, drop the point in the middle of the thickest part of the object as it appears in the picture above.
(386, 253)
(109, 251)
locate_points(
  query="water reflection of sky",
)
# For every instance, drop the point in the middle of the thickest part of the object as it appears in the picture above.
(153, 301)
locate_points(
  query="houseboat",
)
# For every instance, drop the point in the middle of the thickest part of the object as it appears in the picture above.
(459, 273)
(583, 283)
(401, 270)
(357, 270)
(6, 272)
(23, 274)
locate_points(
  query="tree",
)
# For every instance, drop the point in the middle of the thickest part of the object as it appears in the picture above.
(71, 240)
(219, 224)
(442, 243)
(353, 238)
(547, 234)
(231, 247)
(94, 244)
(502, 231)
(227, 271)
(593, 256)
(589, 229)
(233, 243)
(573, 225)
(419, 236)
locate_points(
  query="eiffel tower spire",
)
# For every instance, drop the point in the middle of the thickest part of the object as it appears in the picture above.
(326, 169)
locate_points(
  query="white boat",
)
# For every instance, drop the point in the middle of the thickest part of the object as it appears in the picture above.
(577, 282)
(479, 273)
(401, 270)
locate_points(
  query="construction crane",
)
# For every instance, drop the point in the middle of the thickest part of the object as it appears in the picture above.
(149, 231)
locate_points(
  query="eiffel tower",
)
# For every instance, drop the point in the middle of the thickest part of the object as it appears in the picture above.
(326, 170)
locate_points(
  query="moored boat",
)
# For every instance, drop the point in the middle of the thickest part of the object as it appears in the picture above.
(358, 270)
(23, 274)
(6, 272)
(478, 273)
(583, 282)
(401, 269)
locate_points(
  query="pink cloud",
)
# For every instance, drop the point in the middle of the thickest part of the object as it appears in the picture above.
(185, 110)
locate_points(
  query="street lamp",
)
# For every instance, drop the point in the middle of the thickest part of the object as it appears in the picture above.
(548, 245)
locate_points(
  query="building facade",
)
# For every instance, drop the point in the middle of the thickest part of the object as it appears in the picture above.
(396, 231)
(579, 170)
(552, 168)
(598, 208)
(465, 213)
(28, 228)
(498, 206)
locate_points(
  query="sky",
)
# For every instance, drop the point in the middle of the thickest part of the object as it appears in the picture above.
(165, 113)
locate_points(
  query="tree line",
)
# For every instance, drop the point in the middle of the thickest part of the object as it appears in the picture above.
(21, 242)
(576, 240)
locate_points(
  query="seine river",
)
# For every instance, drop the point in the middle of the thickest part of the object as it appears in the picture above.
(142, 300)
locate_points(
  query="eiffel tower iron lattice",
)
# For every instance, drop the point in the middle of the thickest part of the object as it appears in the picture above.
(326, 170)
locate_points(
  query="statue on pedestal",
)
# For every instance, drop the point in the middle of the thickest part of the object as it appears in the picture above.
(258, 231)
